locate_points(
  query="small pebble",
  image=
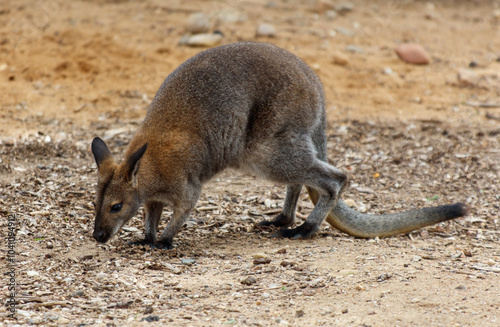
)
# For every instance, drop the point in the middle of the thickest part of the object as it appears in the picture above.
(339, 58)
(101, 276)
(413, 53)
(345, 310)
(63, 321)
(360, 287)
(32, 273)
(299, 313)
(78, 294)
(261, 261)
(203, 40)
(250, 280)
(345, 31)
(151, 318)
(344, 7)
(286, 263)
(354, 49)
(198, 23)
(265, 29)
(148, 310)
(188, 262)
(387, 71)
(331, 14)
(259, 255)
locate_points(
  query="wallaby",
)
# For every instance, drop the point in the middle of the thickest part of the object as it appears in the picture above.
(245, 105)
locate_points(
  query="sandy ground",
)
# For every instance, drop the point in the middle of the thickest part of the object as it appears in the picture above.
(409, 136)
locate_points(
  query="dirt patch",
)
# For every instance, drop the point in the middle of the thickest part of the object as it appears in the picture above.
(409, 136)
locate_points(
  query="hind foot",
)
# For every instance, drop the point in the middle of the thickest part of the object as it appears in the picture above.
(303, 231)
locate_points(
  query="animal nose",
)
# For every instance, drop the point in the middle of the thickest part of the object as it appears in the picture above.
(99, 235)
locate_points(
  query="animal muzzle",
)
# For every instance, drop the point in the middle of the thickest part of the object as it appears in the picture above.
(101, 236)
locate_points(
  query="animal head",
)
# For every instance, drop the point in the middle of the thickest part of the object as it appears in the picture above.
(117, 197)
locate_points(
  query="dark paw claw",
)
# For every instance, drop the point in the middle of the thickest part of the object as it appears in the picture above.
(303, 231)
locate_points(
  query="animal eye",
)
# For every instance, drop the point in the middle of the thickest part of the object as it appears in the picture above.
(116, 208)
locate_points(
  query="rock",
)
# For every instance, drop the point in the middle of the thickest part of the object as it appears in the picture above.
(101, 276)
(331, 14)
(259, 255)
(299, 313)
(467, 77)
(345, 31)
(151, 318)
(387, 71)
(345, 310)
(78, 294)
(237, 295)
(198, 23)
(63, 321)
(188, 262)
(286, 263)
(203, 40)
(250, 280)
(360, 287)
(321, 6)
(354, 49)
(148, 310)
(261, 261)
(265, 29)
(413, 53)
(344, 7)
(32, 273)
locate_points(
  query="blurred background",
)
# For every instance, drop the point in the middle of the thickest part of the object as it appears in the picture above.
(63, 63)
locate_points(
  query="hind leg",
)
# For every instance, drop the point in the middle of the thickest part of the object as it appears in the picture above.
(330, 183)
(287, 216)
(293, 160)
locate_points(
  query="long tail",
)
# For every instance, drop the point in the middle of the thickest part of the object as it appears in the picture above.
(358, 224)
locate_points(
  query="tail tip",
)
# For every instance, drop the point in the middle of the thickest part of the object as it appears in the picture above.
(460, 209)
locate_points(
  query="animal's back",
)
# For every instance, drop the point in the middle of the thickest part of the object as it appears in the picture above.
(233, 97)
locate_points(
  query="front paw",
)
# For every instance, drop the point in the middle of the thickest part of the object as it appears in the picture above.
(303, 231)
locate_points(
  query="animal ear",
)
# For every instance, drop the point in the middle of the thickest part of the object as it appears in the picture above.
(133, 163)
(100, 151)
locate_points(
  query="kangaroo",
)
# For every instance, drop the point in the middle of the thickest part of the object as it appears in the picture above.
(251, 106)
